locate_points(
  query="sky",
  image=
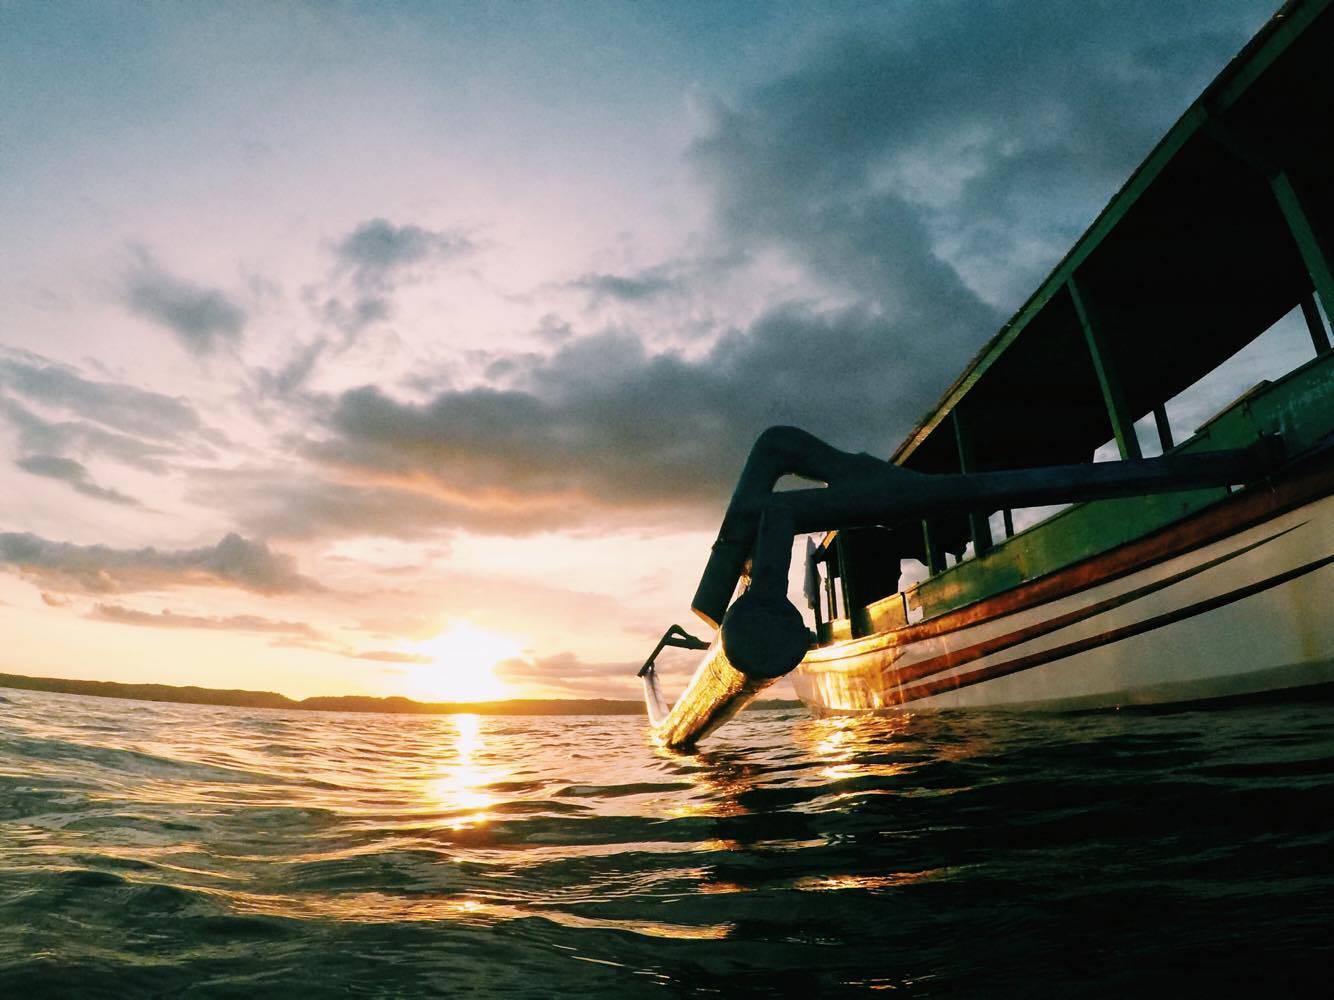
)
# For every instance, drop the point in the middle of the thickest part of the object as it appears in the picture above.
(413, 348)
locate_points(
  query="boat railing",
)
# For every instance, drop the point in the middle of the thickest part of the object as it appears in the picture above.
(1297, 407)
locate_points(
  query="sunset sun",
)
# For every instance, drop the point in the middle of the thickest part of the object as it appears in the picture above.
(461, 665)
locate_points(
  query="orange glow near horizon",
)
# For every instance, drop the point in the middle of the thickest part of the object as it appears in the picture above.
(462, 666)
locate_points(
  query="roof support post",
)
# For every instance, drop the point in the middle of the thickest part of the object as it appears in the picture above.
(1008, 518)
(1311, 244)
(1109, 379)
(845, 578)
(977, 521)
(935, 557)
(1315, 325)
(1164, 428)
(830, 591)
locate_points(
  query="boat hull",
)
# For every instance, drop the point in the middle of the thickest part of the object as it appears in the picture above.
(1249, 612)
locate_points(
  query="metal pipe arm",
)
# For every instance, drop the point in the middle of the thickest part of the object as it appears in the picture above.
(894, 494)
(865, 491)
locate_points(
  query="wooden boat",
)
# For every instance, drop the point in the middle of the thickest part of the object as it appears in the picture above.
(1154, 587)
(1227, 226)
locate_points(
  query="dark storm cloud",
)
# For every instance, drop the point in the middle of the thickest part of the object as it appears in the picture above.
(675, 276)
(121, 615)
(927, 165)
(378, 250)
(67, 470)
(985, 133)
(202, 319)
(602, 423)
(233, 562)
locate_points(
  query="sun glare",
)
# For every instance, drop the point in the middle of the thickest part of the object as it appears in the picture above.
(462, 665)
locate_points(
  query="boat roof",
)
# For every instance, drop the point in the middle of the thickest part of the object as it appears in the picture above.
(1189, 262)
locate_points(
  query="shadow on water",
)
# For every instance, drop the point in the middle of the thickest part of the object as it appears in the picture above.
(182, 849)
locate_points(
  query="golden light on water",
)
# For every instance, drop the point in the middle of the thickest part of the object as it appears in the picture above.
(460, 666)
(460, 790)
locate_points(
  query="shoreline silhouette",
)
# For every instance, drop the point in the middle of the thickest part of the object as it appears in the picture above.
(388, 705)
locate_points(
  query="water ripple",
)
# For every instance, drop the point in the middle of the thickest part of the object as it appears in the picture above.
(167, 849)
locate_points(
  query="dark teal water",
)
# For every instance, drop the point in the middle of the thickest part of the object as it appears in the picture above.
(160, 850)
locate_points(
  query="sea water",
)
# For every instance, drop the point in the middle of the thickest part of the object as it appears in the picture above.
(165, 850)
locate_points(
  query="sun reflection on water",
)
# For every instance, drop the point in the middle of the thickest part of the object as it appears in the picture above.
(854, 746)
(459, 790)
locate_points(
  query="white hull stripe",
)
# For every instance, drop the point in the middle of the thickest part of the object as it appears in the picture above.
(1021, 663)
(948, 661)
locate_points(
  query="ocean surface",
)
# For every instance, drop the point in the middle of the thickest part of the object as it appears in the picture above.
(171, 850)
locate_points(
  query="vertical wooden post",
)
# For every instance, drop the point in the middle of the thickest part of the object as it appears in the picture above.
(1164, 428)
(977, 522)
(815, 607)
(1008, 518)
(1310, 243)
(935, 558)
(830, 591)
(845, 576)
(1315, 325)
(1109, 379)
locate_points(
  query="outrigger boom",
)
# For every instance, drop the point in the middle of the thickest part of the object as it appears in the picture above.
(762, 636)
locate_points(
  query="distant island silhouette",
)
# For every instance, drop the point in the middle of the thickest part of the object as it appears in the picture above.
(393, 705)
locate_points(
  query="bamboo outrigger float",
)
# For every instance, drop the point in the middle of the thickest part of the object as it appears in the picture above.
(1204, 572)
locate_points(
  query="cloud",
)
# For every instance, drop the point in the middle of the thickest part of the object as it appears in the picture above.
(370, 264)
(378, 252)
(390, 656)
(603, 424)
(680, 277)
(638, 287)
(40, 436)
(352, 319)
(567, 674)
(202, 319)
(75, 474)
(276, 503)
(323, 644)
(124, 408)
(924, 168)
(926, 155)
(166, 618)
(560, 667)
(233, 562)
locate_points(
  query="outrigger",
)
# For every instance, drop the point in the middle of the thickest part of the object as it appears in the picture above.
(1203, 572)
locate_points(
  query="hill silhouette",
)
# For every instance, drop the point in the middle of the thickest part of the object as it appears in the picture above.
(393, 705)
